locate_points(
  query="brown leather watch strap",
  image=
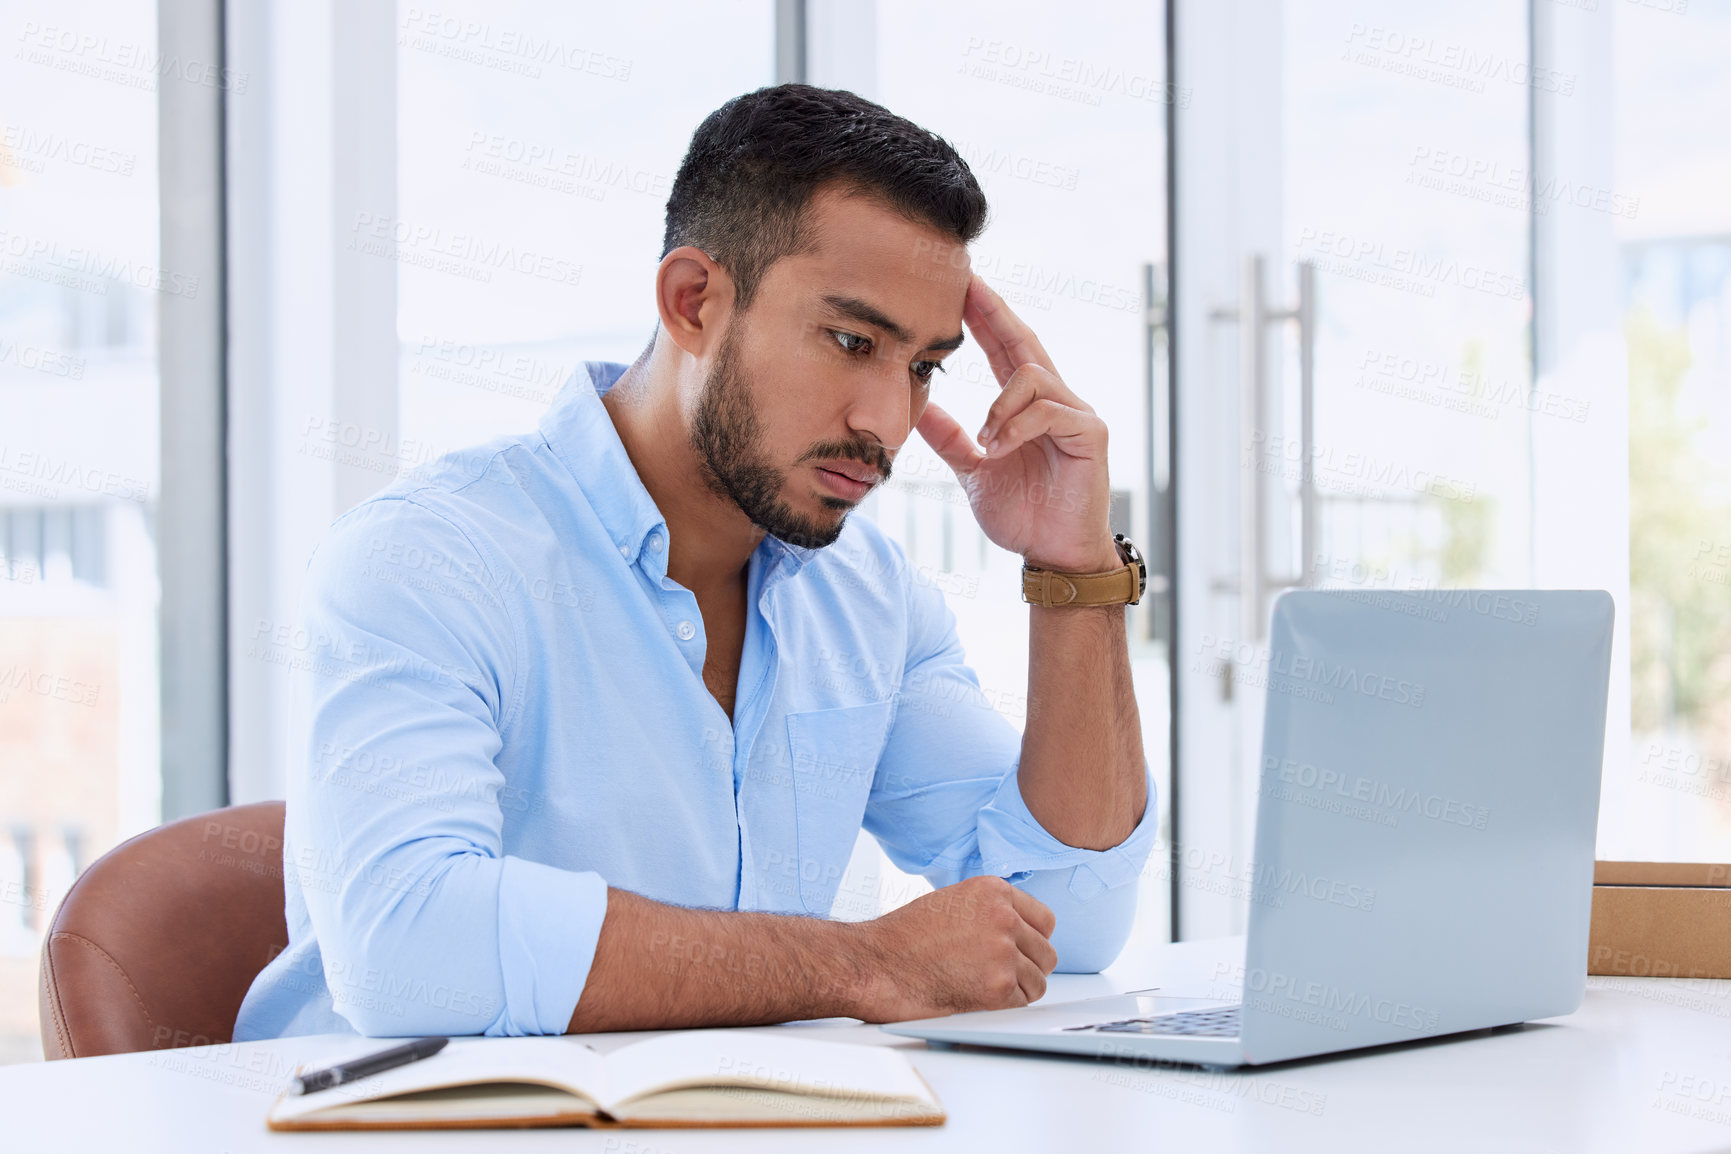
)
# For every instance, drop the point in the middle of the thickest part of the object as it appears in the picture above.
(1052, 589)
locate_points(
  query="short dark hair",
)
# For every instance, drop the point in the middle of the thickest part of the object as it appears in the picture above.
(756, 162)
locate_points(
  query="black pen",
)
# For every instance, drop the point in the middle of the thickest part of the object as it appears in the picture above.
(371, 1064)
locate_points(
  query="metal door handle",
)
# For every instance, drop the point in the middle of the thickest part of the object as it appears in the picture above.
(1254, 581)
(1157, 554)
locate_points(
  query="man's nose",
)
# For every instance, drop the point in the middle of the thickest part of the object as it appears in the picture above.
(882, 410)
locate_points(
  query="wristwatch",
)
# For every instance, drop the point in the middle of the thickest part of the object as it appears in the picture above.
(1121, 586)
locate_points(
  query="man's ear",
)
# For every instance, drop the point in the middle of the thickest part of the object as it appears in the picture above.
(694, 296)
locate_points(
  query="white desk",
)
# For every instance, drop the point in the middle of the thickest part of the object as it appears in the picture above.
(1644, 1066)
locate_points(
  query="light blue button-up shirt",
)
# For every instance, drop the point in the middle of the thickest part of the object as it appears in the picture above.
(504, 714)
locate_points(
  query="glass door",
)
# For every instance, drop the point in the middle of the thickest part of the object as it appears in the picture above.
(1356, 397)
(1482, 252)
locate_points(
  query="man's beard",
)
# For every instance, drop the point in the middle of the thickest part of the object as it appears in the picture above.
(728, 439)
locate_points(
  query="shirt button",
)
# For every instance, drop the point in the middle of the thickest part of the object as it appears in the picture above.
(655, 542)
(625, 550)
(686, 630)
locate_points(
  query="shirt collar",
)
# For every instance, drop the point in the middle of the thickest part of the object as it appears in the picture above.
(580, 432)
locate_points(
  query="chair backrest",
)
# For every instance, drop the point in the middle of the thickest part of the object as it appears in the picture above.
(157, 942)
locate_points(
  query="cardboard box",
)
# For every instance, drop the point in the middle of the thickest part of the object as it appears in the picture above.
(1661, 920)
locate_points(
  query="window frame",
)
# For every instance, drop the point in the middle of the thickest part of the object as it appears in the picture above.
(192, 505)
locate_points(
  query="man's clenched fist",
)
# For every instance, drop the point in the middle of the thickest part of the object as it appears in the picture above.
(981, 944)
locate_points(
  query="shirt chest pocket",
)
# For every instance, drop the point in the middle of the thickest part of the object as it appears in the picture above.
(835, 755)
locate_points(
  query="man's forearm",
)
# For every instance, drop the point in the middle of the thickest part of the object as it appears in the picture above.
(1082, 771)
(658, 967)
(981, 944)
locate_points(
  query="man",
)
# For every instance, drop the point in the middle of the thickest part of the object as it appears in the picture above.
(597, 713)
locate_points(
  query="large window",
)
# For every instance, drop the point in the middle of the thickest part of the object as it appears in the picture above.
(566, 152)
(1672, 215)
(80, 282)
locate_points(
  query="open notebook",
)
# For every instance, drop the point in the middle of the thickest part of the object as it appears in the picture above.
(692, 1078)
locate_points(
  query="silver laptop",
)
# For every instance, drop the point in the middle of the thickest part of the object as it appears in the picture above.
(1428, 801)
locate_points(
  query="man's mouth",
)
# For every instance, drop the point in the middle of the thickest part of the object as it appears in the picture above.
(848, 480)
(853, 471)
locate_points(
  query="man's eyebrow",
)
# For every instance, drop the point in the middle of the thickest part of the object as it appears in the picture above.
(868, 314)
(946, 344)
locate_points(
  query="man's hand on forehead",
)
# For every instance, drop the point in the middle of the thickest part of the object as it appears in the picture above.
(1036, 478)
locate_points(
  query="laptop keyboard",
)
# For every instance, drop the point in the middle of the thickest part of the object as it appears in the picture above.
(1220, 1022)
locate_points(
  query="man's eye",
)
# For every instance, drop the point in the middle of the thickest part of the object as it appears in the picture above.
(852, 342)
(923, 370)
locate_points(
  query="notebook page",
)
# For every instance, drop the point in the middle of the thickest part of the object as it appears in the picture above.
(761, 1061)
(743, 1105)
(561, 1061)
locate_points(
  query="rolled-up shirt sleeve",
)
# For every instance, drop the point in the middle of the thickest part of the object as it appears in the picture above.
(410, 675)
(946, 802)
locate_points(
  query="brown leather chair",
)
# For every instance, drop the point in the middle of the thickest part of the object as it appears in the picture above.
(156, 943)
